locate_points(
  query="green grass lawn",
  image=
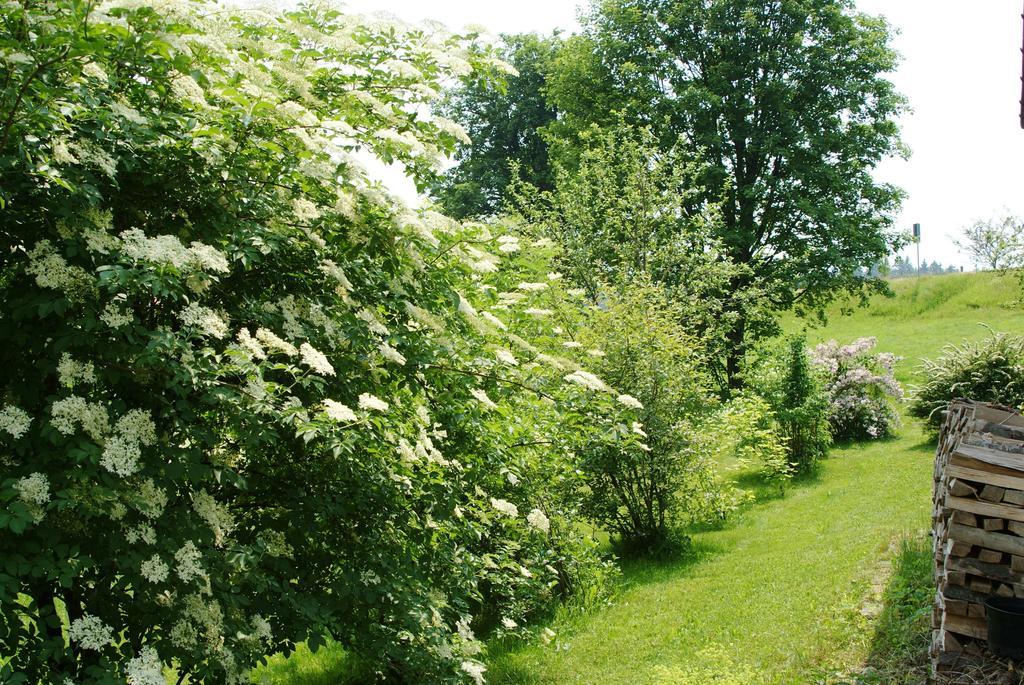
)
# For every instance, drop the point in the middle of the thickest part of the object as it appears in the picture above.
(791, 590)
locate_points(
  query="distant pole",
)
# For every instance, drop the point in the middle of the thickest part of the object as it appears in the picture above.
(917, 240)
(1022, 81)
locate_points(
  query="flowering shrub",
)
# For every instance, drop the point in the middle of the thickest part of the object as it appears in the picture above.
(990, 370)
(860, 388)
(250, 399)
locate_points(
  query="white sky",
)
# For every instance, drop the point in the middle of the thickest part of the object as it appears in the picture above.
(961, 73)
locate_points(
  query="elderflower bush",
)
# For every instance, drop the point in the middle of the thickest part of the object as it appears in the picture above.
(248, 402)
(642, 471)
(861, 389)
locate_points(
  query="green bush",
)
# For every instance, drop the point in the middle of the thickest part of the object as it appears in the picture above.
(247, 402)
(990, 370)
(746, 430)
(781, 373)
(646, 476)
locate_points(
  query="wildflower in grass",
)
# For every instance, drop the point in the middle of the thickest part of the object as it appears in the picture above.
(14, 421)
(372, 403)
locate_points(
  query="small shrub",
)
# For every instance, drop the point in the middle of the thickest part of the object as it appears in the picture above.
(640, 477)
(990, 370)
(746, 430)
(860, 386)
(784, 377)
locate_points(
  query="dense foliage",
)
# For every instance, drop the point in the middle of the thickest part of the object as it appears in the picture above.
(787, 108)
(989, 370)
(629, 212)
(250, 399)
(860, 388)
(781, 373)
(647, 477)
(746, 430)
(504, 123)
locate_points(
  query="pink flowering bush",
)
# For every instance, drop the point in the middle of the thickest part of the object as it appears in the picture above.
(861, 389)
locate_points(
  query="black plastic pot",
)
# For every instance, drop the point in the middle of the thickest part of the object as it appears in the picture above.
(1005, 617)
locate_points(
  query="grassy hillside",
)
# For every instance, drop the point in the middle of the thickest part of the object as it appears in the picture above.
(924, 314)
(790, 591)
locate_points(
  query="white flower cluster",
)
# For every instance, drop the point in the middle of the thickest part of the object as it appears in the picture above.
(73, 411)
(215, 514)
(532, 287)
(206, 320)
(14, 421)
(146, 668)
(372, 403)
(539, 520)
(70, 372)
(33, 489)
(336, 411)
(122, 452)
(587, 380)
(189, 566)
(481, 395)
(154, 569)
(315, 360)
(114, 317)
(90, 632)
(475, 670)
(391, 354)
(629, 401)
(372, 321)
(505, 507)
(167, 249)
(151, 499)
(506, 357)
(250, 345)
(53, 272)
(494, 321)
(274, 344)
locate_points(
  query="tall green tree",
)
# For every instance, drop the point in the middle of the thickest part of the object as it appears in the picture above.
(786, 102)
(503, 121)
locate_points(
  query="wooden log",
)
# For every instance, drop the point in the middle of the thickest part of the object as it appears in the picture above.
(999, 572)
(957, 549)
(1014, 497)
(992, 493)
(975, 610)
(961, 625)
(1002, 511)
(1017, 564)
(1016, 527)
(982, 586)
(965, 518)
(958, 488)
(959, 592)
(948, 642)
(952, 470)
(1004, 590)
(990, 556)
(1014, 462)
(955, 578)
(993, 524)
(956, 606)
(958, 459)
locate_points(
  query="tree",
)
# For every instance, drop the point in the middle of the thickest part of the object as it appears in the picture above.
(996, 243)
(628, 213)
(503, 121)
(785, 102)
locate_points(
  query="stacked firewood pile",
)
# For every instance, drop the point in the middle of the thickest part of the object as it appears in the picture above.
(978, 524)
